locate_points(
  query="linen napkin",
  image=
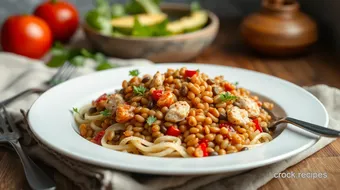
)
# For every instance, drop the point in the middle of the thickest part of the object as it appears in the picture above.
(18, 72)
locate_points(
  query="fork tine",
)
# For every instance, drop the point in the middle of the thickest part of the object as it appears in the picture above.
(3, 124)
(10, 121)
(59, 76)
(68, 74)
(60, 70)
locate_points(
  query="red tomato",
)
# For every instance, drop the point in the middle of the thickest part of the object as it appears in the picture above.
(156, 94)
(62, 18)
(189, 73)
(26, 35)
(172, 131)
(257, 125)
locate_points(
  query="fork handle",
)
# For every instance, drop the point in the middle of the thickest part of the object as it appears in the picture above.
(21, 94)
(316, 129)
(36, 178)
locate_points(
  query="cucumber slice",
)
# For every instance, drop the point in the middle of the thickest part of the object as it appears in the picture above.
(195, 21)
(126, 23)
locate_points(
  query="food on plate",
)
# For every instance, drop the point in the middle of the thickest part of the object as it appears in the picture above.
(62, 17)
(26, 35)
(179, 113)
(143, 19)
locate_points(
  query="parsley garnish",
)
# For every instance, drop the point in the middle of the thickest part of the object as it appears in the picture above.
(75, 110)
(134, 73)
(198, 70)
(227, 97)
(150, 120)
(105, 113)
(236, 83)
(140, 90)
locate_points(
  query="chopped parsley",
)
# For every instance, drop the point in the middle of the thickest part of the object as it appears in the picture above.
(75, 110)
(139, 91)
(227, 97)
(150, 120)
(236, 83)
(134, 73)
(198, 70)
(105, 113)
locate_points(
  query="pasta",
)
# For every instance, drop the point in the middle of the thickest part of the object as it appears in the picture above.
(179, 113)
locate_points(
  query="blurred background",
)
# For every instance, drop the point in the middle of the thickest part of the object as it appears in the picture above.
(325, 12)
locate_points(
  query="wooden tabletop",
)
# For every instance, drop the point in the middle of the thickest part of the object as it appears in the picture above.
(317, 66)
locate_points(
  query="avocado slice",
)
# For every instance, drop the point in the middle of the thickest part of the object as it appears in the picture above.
(143, 6)
(195, 21)
(125, 24)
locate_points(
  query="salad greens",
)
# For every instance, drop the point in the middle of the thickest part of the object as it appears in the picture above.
(77, 57)
(142, 18)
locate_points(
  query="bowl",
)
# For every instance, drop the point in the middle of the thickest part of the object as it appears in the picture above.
(181, 47)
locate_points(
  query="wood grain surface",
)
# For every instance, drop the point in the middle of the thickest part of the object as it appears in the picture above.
(317, 66)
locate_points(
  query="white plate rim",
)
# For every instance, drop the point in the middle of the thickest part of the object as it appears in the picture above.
(175, 169)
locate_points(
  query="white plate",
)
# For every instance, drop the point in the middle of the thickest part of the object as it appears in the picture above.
(52, 122)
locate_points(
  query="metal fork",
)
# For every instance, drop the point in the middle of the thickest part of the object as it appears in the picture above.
(63, 74)
(36, 178)
(316, 129)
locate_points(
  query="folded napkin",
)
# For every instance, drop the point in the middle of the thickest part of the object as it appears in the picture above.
(17, 73)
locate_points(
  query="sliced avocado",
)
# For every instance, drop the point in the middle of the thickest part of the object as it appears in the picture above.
(125, 24)
(195, 21)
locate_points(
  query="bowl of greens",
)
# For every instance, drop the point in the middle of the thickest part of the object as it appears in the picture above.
(146, 29)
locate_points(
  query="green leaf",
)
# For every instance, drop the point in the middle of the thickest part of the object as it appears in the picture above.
(98, 22)
(227, 97)
(195, 6)
(117, 10)
(150, 120)
(134, 73)
(57, 61)
(139, 91)
(236, 83)
(86, 53)
(103, 8)
(99, 57)
(78, 60)
(147, 31)
(105, 66)
(143, 6)
(75, 110)
(106, 113)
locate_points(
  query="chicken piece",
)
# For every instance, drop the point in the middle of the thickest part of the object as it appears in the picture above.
(250, 105)
(177, 112)
(238, 116)
(157, 80)
(114, 101)
(166, 99)
(124, 113)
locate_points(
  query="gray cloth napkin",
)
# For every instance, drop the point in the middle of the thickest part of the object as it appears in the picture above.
(18, 73)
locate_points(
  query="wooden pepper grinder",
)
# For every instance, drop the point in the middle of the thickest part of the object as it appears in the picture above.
(280, 28)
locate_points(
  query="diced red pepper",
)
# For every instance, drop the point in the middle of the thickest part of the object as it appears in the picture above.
(173, 131)
(228, 87)
(156, 94)
(257, 125)
(102, 97)
(203, 146)
(98, 138)
(205, 141)
(189, 73)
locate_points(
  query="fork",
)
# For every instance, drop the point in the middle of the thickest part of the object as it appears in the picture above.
(36, 178)
(63, 74)
(313, 128)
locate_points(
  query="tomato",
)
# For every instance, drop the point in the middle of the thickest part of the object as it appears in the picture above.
(189, 73)
(173, 131)
(98, 138)
(26, 35)
(156, 94)
(257, 125)
(62, 18)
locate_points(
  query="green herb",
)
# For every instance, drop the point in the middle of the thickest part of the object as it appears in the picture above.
(77, 57)
(150, 120)
(103, 8)
(75, 110)
(95, 20)
(139, 91)
(236, 83)
(198, 70)
(117, 10)
(227, 97)
(134, 73)
(159, 29)
(105, 113)
(195, 6)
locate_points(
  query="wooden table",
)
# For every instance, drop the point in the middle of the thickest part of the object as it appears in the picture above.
(315, 67)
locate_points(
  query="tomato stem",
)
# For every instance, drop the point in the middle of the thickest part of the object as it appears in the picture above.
(53, 1)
